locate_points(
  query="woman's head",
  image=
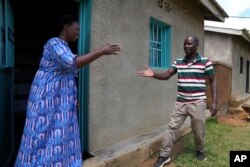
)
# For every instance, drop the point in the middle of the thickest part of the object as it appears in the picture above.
(68, 28)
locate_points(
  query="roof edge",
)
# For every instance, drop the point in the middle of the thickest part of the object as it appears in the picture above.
(243, 32)
(215, 9)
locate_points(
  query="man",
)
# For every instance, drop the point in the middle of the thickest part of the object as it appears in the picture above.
(192, 70)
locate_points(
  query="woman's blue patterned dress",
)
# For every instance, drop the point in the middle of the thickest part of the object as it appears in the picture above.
(51, 133)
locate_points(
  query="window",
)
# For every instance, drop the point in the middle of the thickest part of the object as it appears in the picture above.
(159, 44)
(241, 65)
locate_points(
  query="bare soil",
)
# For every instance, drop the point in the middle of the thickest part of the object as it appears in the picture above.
(239, 118)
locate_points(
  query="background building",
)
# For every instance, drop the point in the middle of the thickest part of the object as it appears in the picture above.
(229, 49)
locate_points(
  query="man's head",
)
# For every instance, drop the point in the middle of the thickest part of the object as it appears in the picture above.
(191, 44)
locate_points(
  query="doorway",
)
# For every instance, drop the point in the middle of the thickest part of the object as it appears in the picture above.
(247, 77)
(6, 81)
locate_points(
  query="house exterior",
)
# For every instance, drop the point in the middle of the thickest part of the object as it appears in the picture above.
(115, 103)
(229, 50)
(137, 105)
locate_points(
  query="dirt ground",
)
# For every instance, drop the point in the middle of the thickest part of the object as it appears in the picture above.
(238, 118)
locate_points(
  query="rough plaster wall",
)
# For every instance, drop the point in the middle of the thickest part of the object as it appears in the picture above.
(218, 47)
(240, 49)
(228, 49)
(122, 104)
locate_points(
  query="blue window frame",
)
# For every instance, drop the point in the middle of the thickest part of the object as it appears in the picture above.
(160, 37)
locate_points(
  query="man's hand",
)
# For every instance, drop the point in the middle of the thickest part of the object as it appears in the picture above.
(213, 110)
(146, 73)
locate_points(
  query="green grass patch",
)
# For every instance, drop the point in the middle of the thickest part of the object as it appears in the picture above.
(220, 140)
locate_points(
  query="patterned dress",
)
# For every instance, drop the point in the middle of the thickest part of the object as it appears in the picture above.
(51, 133)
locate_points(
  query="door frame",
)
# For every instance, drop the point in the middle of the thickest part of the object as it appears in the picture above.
(7, 81)
(85, 16)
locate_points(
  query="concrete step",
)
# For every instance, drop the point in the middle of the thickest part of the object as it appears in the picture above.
(236, 101)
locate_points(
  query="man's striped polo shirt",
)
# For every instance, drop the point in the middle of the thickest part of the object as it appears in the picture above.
(191, 78)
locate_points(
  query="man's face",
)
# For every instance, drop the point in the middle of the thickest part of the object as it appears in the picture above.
(190, 46)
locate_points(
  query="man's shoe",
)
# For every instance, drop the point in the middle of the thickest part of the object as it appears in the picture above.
(161, 161)
(201, 156)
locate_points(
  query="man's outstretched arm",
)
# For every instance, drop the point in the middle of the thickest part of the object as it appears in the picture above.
(157, 75)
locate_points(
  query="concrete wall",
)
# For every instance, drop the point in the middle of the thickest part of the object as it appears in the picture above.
(218, 47)
(241, 48)
(122, 104)
(228, 49)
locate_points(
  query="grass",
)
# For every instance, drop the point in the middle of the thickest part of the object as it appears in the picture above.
(220, 140)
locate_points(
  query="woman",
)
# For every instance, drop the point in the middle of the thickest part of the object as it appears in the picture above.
(51, 132)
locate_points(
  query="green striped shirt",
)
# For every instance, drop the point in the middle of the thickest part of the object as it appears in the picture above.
(191, 84)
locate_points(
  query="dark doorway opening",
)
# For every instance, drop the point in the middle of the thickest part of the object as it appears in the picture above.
(35, 23)
(247, 77)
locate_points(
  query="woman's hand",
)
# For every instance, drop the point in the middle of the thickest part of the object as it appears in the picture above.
(108, 49)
